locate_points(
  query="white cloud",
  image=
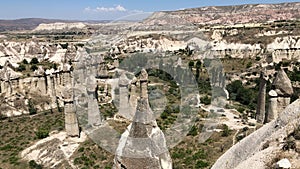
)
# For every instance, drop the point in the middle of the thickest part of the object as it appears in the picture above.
(117, 8)
(113, 13)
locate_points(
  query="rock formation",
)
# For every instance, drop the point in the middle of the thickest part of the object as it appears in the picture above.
(124, 107)
(94, 118)
(60, 26)
(250, 152)
(272, 110)
(143, 145)
(261, 103)
(133, 96)
(283, 87)
(71, 122)
(226, 15)
(279, 97)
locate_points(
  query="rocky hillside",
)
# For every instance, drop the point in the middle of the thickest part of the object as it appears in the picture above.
(252, 13)
(24, 24)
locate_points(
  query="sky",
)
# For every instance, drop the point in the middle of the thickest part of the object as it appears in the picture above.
(105, 9)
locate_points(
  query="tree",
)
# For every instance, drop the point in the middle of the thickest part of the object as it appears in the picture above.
(25, 61)
(32, 110)
(198, 64)
(34, 61)
(191, 64)
(33, 67)
(21, 67)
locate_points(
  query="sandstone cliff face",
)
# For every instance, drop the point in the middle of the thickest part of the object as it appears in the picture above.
(44, 86)
(16, 52)
(285, 48)
(44, 91)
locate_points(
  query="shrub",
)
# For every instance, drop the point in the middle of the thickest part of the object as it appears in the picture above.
(225, 131)
(193, 131)
(54, 66)
(42, 133)
(205, 100)
(34, 165)
(240, 109)
(201, 164)
(164, 115)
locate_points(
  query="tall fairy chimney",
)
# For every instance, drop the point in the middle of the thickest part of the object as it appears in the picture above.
(143, 144)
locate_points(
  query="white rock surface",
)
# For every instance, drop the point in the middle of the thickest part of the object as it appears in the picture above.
(284, 164)
(60, 26)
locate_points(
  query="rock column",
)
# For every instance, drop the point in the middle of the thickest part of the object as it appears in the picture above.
(124, 108)
(272, 109)
(133, 97)
(143, 145)
(283, 87)
(94, 118)
(261, 104)
(71, 122)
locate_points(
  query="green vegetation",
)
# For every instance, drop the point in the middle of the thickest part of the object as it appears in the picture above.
(42, 132)
(31, 108)
(205, 100)
(244, 95)
(19, 133)
(193, 131)
(90, 155)
(34, 61)
(226, 131)
(34, 165)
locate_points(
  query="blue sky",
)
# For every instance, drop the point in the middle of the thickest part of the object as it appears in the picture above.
(104, 9)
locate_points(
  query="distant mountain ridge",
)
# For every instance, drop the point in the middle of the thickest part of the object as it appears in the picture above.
(32, 23)
(251, 13)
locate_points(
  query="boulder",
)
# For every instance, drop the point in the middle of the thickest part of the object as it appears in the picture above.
(283, 164)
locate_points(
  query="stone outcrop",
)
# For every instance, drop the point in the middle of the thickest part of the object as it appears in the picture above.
(249, 152)
(143, 145)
